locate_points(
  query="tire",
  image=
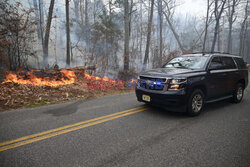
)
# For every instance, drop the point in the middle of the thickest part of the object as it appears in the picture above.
(238, 93)
(195, 103)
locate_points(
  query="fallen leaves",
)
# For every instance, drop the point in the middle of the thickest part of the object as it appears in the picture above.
(14, 95)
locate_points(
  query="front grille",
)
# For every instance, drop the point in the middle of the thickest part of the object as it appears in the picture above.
(152, 83)
(151, 78)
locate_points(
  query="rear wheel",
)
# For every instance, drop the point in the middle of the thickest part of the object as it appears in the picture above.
(238, 93)
(195, 103)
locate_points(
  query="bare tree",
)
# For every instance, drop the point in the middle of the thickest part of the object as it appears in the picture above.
(16, 33)
(41, 21)
(243, 30)
(219, 38)
(141, 28)
(148, 34)
(160, 31)
(47, 32)
(171, 26)
(81, 11)
(218, 10)
(209, 4)
(87, 37)
(37, 19)
(126, 42)
(231, 19)
(67, 34)
(76, 5)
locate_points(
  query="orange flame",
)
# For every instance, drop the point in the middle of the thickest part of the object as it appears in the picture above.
(39, 81)
(67, 77)
(133, 80)
(105, 79)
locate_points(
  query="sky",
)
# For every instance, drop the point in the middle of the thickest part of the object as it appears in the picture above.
(192, 7)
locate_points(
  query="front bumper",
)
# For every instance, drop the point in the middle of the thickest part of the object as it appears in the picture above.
(170, 100)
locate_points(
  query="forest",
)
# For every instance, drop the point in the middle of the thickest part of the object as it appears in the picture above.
(118, 37)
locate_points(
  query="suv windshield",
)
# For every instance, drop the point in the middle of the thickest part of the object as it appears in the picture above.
(188, 62)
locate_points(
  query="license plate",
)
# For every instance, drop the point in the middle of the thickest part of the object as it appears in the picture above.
(146, 98)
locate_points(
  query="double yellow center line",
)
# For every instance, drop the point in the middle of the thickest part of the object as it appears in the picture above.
(66, 129)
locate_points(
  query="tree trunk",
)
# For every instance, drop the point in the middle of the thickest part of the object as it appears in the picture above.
(219, 39)
(130, 13)
(160, 29)
(206, 27)
(47, 32)
(229, 42)
(86, 13)
(215, 35)
(94, 11)
(174, 32)
(37, 20)
(67, 34)
(110, 8)
(217, 14)
(87, 34)
(141, 29)
(76, 4)
(18, 50)
(41, 13)
(243, 32)
(82, 11)
(246, 43)
(126, 42)
(231, 11)
(148, 35)
(248, 48)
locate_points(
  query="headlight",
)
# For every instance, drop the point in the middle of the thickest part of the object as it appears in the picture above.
(178, 81)
(177, 84)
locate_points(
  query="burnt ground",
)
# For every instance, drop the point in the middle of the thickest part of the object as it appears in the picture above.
(13, 96)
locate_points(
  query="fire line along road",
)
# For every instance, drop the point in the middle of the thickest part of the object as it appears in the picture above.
(119, 131)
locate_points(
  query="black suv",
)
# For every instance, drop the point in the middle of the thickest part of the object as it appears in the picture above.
(187, 82)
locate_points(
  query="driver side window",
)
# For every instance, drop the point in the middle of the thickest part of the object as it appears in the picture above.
(216, 64)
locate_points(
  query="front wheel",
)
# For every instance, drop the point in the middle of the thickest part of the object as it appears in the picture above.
(238, 93)
(195, 103)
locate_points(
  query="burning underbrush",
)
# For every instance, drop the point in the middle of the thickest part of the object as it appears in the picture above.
(63, 77)
(39, 87)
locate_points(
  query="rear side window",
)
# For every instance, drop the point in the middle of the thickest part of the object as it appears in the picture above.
(241, 64)
(228, 63)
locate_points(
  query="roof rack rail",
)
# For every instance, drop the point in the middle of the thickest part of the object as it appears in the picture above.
(203, 53)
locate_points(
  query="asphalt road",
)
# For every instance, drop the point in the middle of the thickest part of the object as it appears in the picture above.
(83, 134)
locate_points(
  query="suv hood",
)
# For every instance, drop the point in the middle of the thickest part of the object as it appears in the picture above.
(171, 72)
